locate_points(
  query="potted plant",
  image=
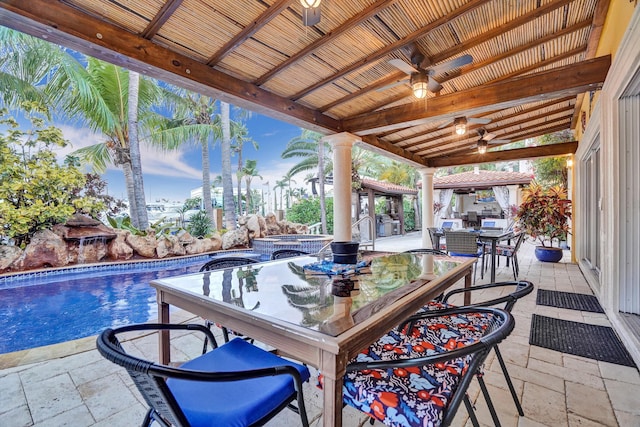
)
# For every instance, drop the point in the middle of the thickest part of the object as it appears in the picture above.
(544, 215)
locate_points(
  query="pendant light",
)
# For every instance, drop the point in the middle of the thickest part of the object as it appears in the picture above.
(461, 125)
(310, 12)
(482, 146)
(419, 84)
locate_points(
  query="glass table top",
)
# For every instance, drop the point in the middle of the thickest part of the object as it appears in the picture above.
(331, 304)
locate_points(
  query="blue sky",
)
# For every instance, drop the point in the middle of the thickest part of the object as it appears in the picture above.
(173, 175)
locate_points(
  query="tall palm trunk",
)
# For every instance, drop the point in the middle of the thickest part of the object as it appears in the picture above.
(206, 180)
(227, 181)
(134, 152)
(323, 203)
(131, 195)
(239, 183)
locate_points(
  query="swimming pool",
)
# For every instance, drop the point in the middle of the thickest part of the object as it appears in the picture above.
(43, 308)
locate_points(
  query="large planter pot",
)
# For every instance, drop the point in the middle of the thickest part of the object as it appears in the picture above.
(545, 254)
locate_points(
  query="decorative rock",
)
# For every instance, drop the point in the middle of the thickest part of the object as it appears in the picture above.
(118, 249)
(8, 255)
(216, 242)
(170, 246)
(79, 220)
(253, 227)
(235, 238)
(46, 249)
(144, 246)
(185, 237)
(88, 250)
(273, 227)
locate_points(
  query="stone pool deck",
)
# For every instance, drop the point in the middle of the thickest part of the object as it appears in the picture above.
(70, 384)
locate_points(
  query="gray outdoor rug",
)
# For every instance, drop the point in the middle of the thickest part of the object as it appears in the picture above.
(580, 339)
(568, 300)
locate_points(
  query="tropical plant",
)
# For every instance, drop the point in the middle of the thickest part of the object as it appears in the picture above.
(250, 171)
(124, 223)
(307, 211)
(239, 137)
(544, 213)
(36, 192)
(552, 170)
(200, 224)
(94, 190)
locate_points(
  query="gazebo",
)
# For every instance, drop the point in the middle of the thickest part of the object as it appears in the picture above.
(462, 188)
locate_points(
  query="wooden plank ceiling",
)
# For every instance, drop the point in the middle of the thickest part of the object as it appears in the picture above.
(531, 62)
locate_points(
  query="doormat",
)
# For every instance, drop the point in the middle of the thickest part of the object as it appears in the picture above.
(568, 300)
(580, 339)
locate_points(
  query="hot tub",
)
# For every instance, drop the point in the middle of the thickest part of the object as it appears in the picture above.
(310, 243)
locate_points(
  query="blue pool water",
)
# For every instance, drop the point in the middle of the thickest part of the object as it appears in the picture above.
(42, 309)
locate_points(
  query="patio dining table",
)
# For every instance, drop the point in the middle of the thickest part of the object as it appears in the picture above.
(322, 318)
(486, 236)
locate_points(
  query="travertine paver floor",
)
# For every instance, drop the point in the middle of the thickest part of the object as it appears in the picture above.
(72, 385)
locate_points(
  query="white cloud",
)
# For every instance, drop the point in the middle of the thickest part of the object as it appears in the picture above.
(154, 161)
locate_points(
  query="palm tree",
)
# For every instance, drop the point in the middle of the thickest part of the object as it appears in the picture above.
(308, 147)
(96, 95)
(288, 177)
(250, 171)
(227, 181)
(240, 136)
(281, 185)
(194, 121)
(134, 149)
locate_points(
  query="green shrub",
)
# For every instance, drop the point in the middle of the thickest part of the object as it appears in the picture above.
(307, 211)
(200, 224)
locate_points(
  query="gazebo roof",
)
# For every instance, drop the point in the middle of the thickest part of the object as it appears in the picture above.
(386, 188)
(515, 69)
(482, 179)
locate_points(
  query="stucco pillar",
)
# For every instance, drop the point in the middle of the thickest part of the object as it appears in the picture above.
(342, 143)
(427, 204)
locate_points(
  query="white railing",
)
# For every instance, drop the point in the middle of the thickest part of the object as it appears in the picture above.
(315, 228)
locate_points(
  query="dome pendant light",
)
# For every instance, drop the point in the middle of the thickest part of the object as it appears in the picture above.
(419, 84)
(461, 125)
(310, 12)
(482, 146)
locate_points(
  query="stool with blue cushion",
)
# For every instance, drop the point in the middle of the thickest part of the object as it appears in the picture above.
(236, 384)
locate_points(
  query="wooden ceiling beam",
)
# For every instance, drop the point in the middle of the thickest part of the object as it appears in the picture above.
(248, 31)
(472, 127)
(352, 22)
(161, 17)
(393, 78)
(374, 144)
(519, 135)
(500, 29)
(469, 138)
(410, 38)
(599, 16)
(552, 150)
(563, 81)
(59, 23)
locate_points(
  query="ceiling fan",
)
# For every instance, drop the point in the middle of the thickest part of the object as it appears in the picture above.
(487, 138)
(460, 123)
(423, 78)
(310, 12)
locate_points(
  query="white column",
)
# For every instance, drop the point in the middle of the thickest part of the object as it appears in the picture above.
(342, 143)
(427, 204)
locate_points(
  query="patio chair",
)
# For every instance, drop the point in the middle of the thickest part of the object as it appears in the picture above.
(235, 384)
(464, 243)
(287, 253)
(506, 302)
(472, 219)
(511, 253)
(219, 264)
(421, 379)
(435, 238)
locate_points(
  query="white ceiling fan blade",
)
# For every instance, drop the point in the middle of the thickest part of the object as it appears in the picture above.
(451, 64)
(433, 85)
(394, 84)
(499, 141)
(402, 66)
(478, 120)
(488, 136)
(445, 124)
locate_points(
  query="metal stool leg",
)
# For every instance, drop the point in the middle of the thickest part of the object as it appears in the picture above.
(512, 389)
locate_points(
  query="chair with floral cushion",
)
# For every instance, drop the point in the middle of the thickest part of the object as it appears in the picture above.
(520, 289)
(511, 253)
(421, 378)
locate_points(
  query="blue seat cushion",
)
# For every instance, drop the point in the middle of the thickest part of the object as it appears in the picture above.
(233, 403)
(476, 255)
(414, 396)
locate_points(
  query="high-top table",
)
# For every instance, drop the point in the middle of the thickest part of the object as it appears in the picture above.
(317, 319)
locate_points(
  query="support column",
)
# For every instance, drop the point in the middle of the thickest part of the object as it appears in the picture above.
(427, 204)
(342, 143)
